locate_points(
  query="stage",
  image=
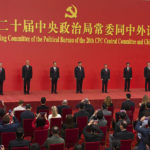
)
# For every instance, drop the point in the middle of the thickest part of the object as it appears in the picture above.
(96, 97)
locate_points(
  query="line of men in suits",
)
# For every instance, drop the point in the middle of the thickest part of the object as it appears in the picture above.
(79, 76)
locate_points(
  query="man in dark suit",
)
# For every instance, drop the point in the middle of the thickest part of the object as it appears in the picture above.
(64, 105)
(92, 133)
(147, 76)
(126, 105)
(19, 141)
(105, 76)
(2, 78)
(54, 139)
(79, 75)
(123, 134)
(81, 113)
(87, 106)
(43, 106)
(27, 114)
(27, 76)
(127, 74)
(54, 76)
(144, 131)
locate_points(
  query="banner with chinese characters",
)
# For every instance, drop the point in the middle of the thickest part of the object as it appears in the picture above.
(95, 32)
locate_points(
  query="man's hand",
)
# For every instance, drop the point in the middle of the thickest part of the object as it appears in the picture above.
(91, 122)
(143, 118)
(37, 116)
(95, 112)
(2, 147)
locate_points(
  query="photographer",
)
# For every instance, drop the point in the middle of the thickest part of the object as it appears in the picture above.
(99, 118)
(145, 132)
(92, 132)
(120, 116)
(87, 106)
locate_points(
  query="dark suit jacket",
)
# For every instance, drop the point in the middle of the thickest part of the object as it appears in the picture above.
(79, 74)
(27, 73)
(42, 107)
(88, 107)
(126, 105)
(127, 74)
(26, 115)
(10, 127)
(54, 74)
(123, 135)
(145, 133)
(61, 107)
(105, 75)
(18, 143)
(147, 73)
(2, 75)
(93, 137)
(80, 113)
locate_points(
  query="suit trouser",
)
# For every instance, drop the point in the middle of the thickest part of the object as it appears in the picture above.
(54, 85)
(26, 85)
(104, 85)
(147, 82)
(127, 84)
(1, 86)
(79, 85)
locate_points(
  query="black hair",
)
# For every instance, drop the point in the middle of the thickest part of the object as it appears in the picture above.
(81, 105)
(124, 124)
(128, 95)
(43, 100)
(100, 115)
(123, 115)
(28, 106)
(40, 122)
(19, 133)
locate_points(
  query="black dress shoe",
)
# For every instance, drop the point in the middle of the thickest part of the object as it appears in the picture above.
(56, 93)
(102, 91)
(106, 92)
(27, 92)
(77, 91)
(81, 92)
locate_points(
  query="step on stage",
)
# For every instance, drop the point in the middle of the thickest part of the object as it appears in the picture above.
(96, 97)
